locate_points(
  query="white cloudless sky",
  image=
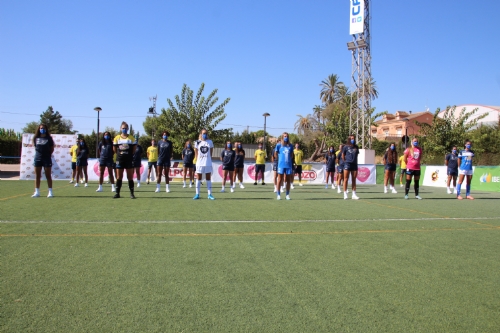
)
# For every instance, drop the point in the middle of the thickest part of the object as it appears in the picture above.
(267, 56)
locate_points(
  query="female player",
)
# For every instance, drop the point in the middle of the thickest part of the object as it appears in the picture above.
(44, 147)
(82, 161)
(106, 160)
(465, 162)
(152, 153)
(350, 154)
(413, 155)
(187, 162)
(165, 151)
(137, 162)
(451, 161)
(390, 161)
(275, 173)
(239, 165)
(124, 147)
(402, 165)
(330, 165)
(284, 153)
(227, 157)
(203, 151)
(340, 169)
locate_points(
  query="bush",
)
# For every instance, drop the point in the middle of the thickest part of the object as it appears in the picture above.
(10, 146)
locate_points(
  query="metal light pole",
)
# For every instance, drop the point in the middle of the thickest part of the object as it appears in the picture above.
(265, 142)
(152, 111)
(98, 109)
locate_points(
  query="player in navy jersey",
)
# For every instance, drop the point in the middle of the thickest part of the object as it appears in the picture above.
(350, 154)
(227, 157)
(82, 155)
(340, 169)
(284, 153)
(390, 161)
(165, 151)
(124, 148)
(275, 172)
(330, 165)
(187, 163)
(137, 162)
(451, 161)
(44, 148)
(465, 170)
(239, 164)
(106, 160)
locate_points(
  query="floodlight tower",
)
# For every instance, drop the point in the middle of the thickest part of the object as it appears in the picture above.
(361, 72)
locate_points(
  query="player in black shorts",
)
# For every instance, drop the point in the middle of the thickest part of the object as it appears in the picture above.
(227, 157)
(165, 151)
(82, 156)
(137, 162)
(187, 163)
(239, 165)
(106, 160)
(330, 166)
(124, 147)
(44, 147)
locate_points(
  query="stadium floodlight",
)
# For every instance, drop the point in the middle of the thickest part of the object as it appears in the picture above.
(351, 46)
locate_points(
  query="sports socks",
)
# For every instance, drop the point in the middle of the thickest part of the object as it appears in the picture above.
(467, 187)
(198, 185)
(118, 186)
(459, 188)
(416, 186)
(131, 186)
(407, 186)
(209, 186)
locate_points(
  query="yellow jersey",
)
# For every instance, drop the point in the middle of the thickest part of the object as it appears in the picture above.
(152, 154)
(73, 152)
(260, 156)
(114, 158)
(402, 162)
(299, 154)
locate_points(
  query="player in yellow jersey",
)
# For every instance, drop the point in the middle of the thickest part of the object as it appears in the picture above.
(402, 163)
(74, 154)
(298, 156)
(260, 164)
(152, 153)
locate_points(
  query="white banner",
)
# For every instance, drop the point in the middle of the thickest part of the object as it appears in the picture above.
(436, 175)
(357, 14)
(61, 159)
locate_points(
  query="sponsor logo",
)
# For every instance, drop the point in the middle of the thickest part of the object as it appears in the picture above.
(435, 176)
(488, 178)
(28, 176)
(363, 174)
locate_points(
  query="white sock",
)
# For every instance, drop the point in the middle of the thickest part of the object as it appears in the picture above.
(223, 187)
(385, 188)
(50, 190)
(353, 192)
(37, 190)
(100, 187)
(138, 183)
(168, 186)
(157, 185)
(209, 186)
(198, 185)
(184, 182)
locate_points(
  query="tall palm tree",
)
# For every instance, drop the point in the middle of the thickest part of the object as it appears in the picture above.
(330, 89)
(370, 89)
(303, 124)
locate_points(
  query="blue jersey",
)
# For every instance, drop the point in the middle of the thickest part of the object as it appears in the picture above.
(285, 155)
(466, 159)
(43, 148)
(351, 154)
(106, 155)
(228, 157)
(164, 150)
(452, 161)
(330, 161)
(188, 154)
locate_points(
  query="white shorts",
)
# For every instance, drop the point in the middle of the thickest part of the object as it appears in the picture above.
(204, 169)
(465, 172)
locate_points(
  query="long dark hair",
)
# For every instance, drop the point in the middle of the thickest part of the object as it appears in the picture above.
(38, 134)
(329, 153)
(348, 143)
(80, 147)
(392, 155)
(103, 140)
(238, 150)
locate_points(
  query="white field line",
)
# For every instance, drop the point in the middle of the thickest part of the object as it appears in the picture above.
(257, 221)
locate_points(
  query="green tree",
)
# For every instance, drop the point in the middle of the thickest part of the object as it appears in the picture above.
(330, 89)
(54, 121)
(189, 115)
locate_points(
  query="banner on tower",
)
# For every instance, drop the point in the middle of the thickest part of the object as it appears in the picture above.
(357, 16)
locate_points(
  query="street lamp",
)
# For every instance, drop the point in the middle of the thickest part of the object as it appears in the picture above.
(265, 142)
(406, 131)
(98, 109)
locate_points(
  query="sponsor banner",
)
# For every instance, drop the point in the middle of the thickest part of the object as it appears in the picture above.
(486, 179)
(61, 159)
(356, 17)
(435, 176)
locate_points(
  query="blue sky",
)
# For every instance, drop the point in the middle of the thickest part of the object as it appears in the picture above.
(267, 56)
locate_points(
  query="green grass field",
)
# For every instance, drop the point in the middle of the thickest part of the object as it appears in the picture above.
(83, 262)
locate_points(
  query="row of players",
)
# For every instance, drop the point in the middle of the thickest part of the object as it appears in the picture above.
(123, 153)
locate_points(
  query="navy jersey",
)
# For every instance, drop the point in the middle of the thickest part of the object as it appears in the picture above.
(43, 148)
(106, 154)
(452, 161)
(340, 159)
(188, 154)
(239, 159)
(330, 161)
(228, 157)
(351, 154)
(83, 154)
(137, 154)
(164, 150)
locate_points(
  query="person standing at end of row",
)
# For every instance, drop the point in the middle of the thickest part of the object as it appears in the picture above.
(124, 147)
(44, 148)
(451, 161)
(260, 164)
(350, 154)
(82, 161)
(330, 165)
(203, 150)
(275, 172)
(340, 169)
(284, 153)
(187, 163)
(465, 162)
(239, 163)
(402, 165)
(413, 156)
(106, 160)
(227, 157)
(165, 151)
(390, 162)
(152, 153)
(137, 161)
(298, 155)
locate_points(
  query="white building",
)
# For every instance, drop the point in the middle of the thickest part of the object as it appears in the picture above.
(491, 119)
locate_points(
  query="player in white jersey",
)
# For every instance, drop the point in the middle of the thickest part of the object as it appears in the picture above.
(203, 149)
